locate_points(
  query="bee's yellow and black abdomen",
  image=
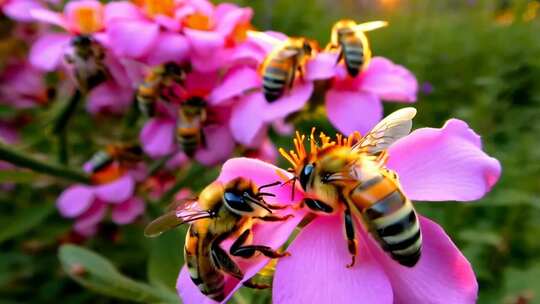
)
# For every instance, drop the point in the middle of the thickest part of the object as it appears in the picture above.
(276, 78)
(189, 139)
(353, 54)
(394, 223)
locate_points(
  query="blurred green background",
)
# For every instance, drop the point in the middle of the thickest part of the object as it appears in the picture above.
(475, 60)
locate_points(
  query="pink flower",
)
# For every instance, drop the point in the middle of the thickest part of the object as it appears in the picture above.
(114, 188)
(22, 86)
(149, 33)
(273, 234)
(433, 164)
(19, 10)
(349, 97)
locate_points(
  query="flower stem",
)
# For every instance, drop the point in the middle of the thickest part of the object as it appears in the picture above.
(22, 160)
(66, 112)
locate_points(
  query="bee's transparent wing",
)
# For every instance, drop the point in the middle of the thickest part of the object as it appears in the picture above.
(183, 214)
(387, 131)
(370, 26)
(264, 38)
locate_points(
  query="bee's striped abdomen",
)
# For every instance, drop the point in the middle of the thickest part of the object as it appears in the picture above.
(276, 78)
(353, 53)
(391, 218)
(394, 222)
(189, 139)
(203, 273)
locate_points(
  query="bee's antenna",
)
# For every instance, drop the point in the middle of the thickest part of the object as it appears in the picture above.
(268, 185)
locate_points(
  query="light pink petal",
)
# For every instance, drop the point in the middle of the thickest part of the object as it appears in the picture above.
(351, 111)
(48, 50)
(219, 59)
(168, 23)
(132, 38)
(219, 145)
(316, 270)
(389, 81)
(323, 66)
(442, 275)
(230, 15)
(48, 16)
(87, 223)
(109, 98)
(122, 10)
(292, 101)
(157, 137)
(19, 10)
(270, 234)
(235, 83)
(248, 53)
(75, 200)
(264, 43)
(117, 191)
(204, 43)
(169, 47)
(444, 164)
(126, 212)
(246, 126)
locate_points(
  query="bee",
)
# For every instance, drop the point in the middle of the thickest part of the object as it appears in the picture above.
(87, 56)
(222, 210)
(350, 40)
(162, 83)
(280, 67)
(191, 118)
(349, 174)
(109, 164)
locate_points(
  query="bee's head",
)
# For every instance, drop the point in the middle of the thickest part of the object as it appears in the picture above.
(306, 175)
(81, 41)
(243, 198)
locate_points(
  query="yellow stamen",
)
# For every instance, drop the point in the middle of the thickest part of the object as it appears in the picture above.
(198, 21)
(157, 7)
(88, 19)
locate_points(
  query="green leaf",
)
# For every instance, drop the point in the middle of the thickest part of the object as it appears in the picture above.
(166, 258)
(98, 274)
(17, 176)
(25, 220)
(523, 283)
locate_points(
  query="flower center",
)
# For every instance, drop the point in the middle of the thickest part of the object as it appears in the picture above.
(157, 7)
(198, 21)
(88, 20)
(109, 174)
(238, 34)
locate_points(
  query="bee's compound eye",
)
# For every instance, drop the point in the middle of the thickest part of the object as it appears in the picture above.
(236, 202)
(305, 175)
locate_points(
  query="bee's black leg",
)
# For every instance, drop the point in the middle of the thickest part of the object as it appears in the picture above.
(252, 284)
(237, 248)
(224, 262)
(317, 205)
(352, 243)
(274, 218)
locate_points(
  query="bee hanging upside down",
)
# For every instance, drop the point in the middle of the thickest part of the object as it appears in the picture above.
(280, 67)
(350, 40)
(86, 56)
(221, 211)
(162, 83)
(349, 174)
(111, 163)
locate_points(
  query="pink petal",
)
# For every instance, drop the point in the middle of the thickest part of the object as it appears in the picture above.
(170, 47)
(235, 83)
(117, 191)
(109, 98)
(75, 200)
(219, 59)
(126, 212)
(122, 10)
(219, 145)
(266, 44)
(270, 234)
(292, 101)
(48, 16)
(19, 10)
(389, 81)
(246, 127)
(230, 15)
(157, 137)
(204, 43)
(351, 111)
(442, 275)
(73, 6)
(132, 38)
(444, 164)
(316, 273)
(323, 66)
(87, 223)
(48, 50)
(248, 53)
